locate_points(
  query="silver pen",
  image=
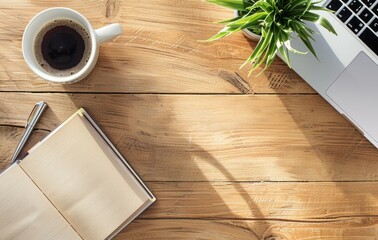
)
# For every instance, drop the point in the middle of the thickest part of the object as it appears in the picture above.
(30, 124)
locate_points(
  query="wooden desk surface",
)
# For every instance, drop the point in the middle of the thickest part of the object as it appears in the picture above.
(228, 157)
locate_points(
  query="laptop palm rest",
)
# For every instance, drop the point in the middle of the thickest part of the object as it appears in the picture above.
(355, 91)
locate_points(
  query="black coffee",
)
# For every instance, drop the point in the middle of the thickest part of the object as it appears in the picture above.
(62, 47)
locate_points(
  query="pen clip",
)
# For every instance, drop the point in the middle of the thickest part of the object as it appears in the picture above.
(33, 113)
(38, 108)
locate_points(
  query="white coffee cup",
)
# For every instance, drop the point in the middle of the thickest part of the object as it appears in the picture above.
(97, 36)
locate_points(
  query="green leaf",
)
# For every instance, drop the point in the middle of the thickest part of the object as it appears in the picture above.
(302, 29)
(283, 37)
(304, 35)
(296, 5)
(233, 4)
(307, 6)
(285, 54)
(318, 8)
(222, 33)
(309, 16)
(308, 44)
(327, 25)
(270, 55)
(291, 49)
(252, 57)
(243, 22)
(229, 20)
(265, 6)
(266, 38)
(317, 2)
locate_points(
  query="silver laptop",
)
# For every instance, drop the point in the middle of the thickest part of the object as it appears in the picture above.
(346, 74)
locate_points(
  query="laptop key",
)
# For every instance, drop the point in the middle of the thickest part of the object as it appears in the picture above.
(344, 14)
(375, 9)
(368, 3)
(355, 24)
(374, 25)
(366, 15)
(334, 5)
(370, 39)
(355, 5)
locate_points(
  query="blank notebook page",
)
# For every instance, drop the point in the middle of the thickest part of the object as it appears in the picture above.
(84, 179)
(25, 213)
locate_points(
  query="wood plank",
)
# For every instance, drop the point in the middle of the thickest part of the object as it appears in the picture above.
(263, 200)
(159, 51)
(212, 138)
(294, 201)
(349, 228)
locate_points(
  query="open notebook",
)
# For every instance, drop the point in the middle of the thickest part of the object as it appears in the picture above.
(72, 185)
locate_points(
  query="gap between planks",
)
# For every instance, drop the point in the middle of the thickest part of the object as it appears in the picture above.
(158, 93)
(288, 220)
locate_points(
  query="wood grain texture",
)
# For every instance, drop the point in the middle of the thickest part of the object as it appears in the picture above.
(298, 201)
(159, 51)
(348, 228)
(199, 138)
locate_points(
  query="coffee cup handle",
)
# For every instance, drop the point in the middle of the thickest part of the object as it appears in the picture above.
(108, 32)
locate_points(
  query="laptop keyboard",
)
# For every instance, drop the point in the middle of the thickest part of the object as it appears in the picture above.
(361, 17)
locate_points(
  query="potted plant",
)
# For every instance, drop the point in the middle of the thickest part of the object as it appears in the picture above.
(274, 21)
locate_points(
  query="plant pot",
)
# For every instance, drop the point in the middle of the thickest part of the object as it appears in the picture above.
(248, 34)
